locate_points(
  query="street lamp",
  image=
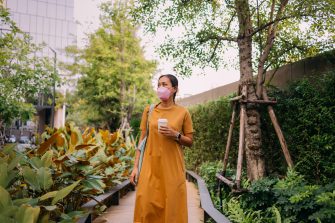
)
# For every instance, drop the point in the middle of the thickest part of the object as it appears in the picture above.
(54, 88)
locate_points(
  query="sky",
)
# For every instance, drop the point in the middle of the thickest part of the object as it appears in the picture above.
(87, 16)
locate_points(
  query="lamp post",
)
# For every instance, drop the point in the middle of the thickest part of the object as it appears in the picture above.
(54, 88)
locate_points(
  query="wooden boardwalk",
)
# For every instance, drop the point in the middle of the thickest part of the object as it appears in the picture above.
(123, 213)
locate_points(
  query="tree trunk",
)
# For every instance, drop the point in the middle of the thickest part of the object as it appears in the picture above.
(253, 142)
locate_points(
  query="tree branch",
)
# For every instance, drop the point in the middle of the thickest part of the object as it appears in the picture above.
(216, 46)
(268, 46)
(230, 21)
(269, 24)
(218, 38)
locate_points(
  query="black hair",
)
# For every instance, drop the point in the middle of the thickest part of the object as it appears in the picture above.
(174, 82)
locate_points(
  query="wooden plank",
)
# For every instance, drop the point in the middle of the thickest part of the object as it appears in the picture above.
(230, 136)
(279, 132)
(259, 101)
(124, 212)
(230, 183)
(241, 146)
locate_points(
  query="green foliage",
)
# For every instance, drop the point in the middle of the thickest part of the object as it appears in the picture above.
(207, 171)
(305, 111)
(211, 29)
(306, 114)
(22, 74)
(237, 215)
(116, 78)
(211, 122)
(51, 183)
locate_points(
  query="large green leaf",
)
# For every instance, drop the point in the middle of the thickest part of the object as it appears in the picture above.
(14, 162)
(48, 195)
(31, 178)
(6, 219)
(5, 199)
(47, 159)
(27, 214)
(5, 177)
(19, 202)
(93, 184)
(36, 162)
(64, 192)
(44, 178)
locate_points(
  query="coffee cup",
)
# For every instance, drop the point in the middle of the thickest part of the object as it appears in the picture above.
(162, 122)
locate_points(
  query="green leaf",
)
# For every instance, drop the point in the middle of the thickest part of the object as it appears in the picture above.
(36, 162)
(5, 200)
(44, 178)
(27, 214)
(95, 184)
(64, 192)
(21, 201)
(31, 178)
(6, 176)
(47, 159)
(48, 195)
(14, 162)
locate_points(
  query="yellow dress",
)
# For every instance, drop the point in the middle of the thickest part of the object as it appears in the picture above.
(161, 189)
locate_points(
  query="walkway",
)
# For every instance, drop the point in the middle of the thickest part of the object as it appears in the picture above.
(123, 213)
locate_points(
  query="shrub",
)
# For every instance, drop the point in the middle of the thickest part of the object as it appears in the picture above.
(211, 124)
(51, 183)
(306, 113)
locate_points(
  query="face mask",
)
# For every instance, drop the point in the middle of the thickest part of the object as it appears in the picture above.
(163, 93)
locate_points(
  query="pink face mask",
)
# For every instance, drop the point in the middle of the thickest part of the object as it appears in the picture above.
(163, 93)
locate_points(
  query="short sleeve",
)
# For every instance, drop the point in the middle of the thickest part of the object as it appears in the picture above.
(143, 125)
(187, 125)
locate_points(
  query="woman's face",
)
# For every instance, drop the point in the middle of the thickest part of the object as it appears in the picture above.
(165, 82)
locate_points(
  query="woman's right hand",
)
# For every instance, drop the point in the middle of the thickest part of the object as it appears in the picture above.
(133, 176)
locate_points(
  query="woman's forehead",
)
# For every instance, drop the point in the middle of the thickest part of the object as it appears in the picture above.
(164, 80)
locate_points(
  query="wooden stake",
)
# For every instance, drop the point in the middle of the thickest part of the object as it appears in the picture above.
(230, 183)
(278, 132)
(230, 135)
(241, 146)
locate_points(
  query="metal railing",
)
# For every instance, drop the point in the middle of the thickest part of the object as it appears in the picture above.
(210, 212)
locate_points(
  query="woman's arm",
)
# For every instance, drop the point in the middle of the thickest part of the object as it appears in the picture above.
(185, 140)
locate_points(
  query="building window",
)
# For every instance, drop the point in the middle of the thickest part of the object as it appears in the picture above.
(32, 7)
(52, 10)
(42, 8)
(22, 6)
(24, 22)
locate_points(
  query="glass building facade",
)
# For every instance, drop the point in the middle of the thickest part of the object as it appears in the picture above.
(51, 22)
(48, 21)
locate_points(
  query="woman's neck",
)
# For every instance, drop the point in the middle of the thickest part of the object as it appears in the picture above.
(166, 104)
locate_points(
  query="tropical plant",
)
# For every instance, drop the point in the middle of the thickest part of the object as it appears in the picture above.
(68, 168)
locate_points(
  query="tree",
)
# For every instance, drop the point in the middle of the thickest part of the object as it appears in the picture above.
(267, 33)
(23, 74)
(116, 78)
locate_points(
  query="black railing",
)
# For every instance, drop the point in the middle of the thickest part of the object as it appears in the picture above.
(210, 212)
(111, 197)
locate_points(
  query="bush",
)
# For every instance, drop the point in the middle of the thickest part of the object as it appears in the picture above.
(306, 113)
(211, 124)
(50, 183)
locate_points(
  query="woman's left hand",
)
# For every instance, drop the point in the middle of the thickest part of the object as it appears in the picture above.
(167, 131)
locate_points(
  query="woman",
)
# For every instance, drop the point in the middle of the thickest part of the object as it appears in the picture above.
(161, 187)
